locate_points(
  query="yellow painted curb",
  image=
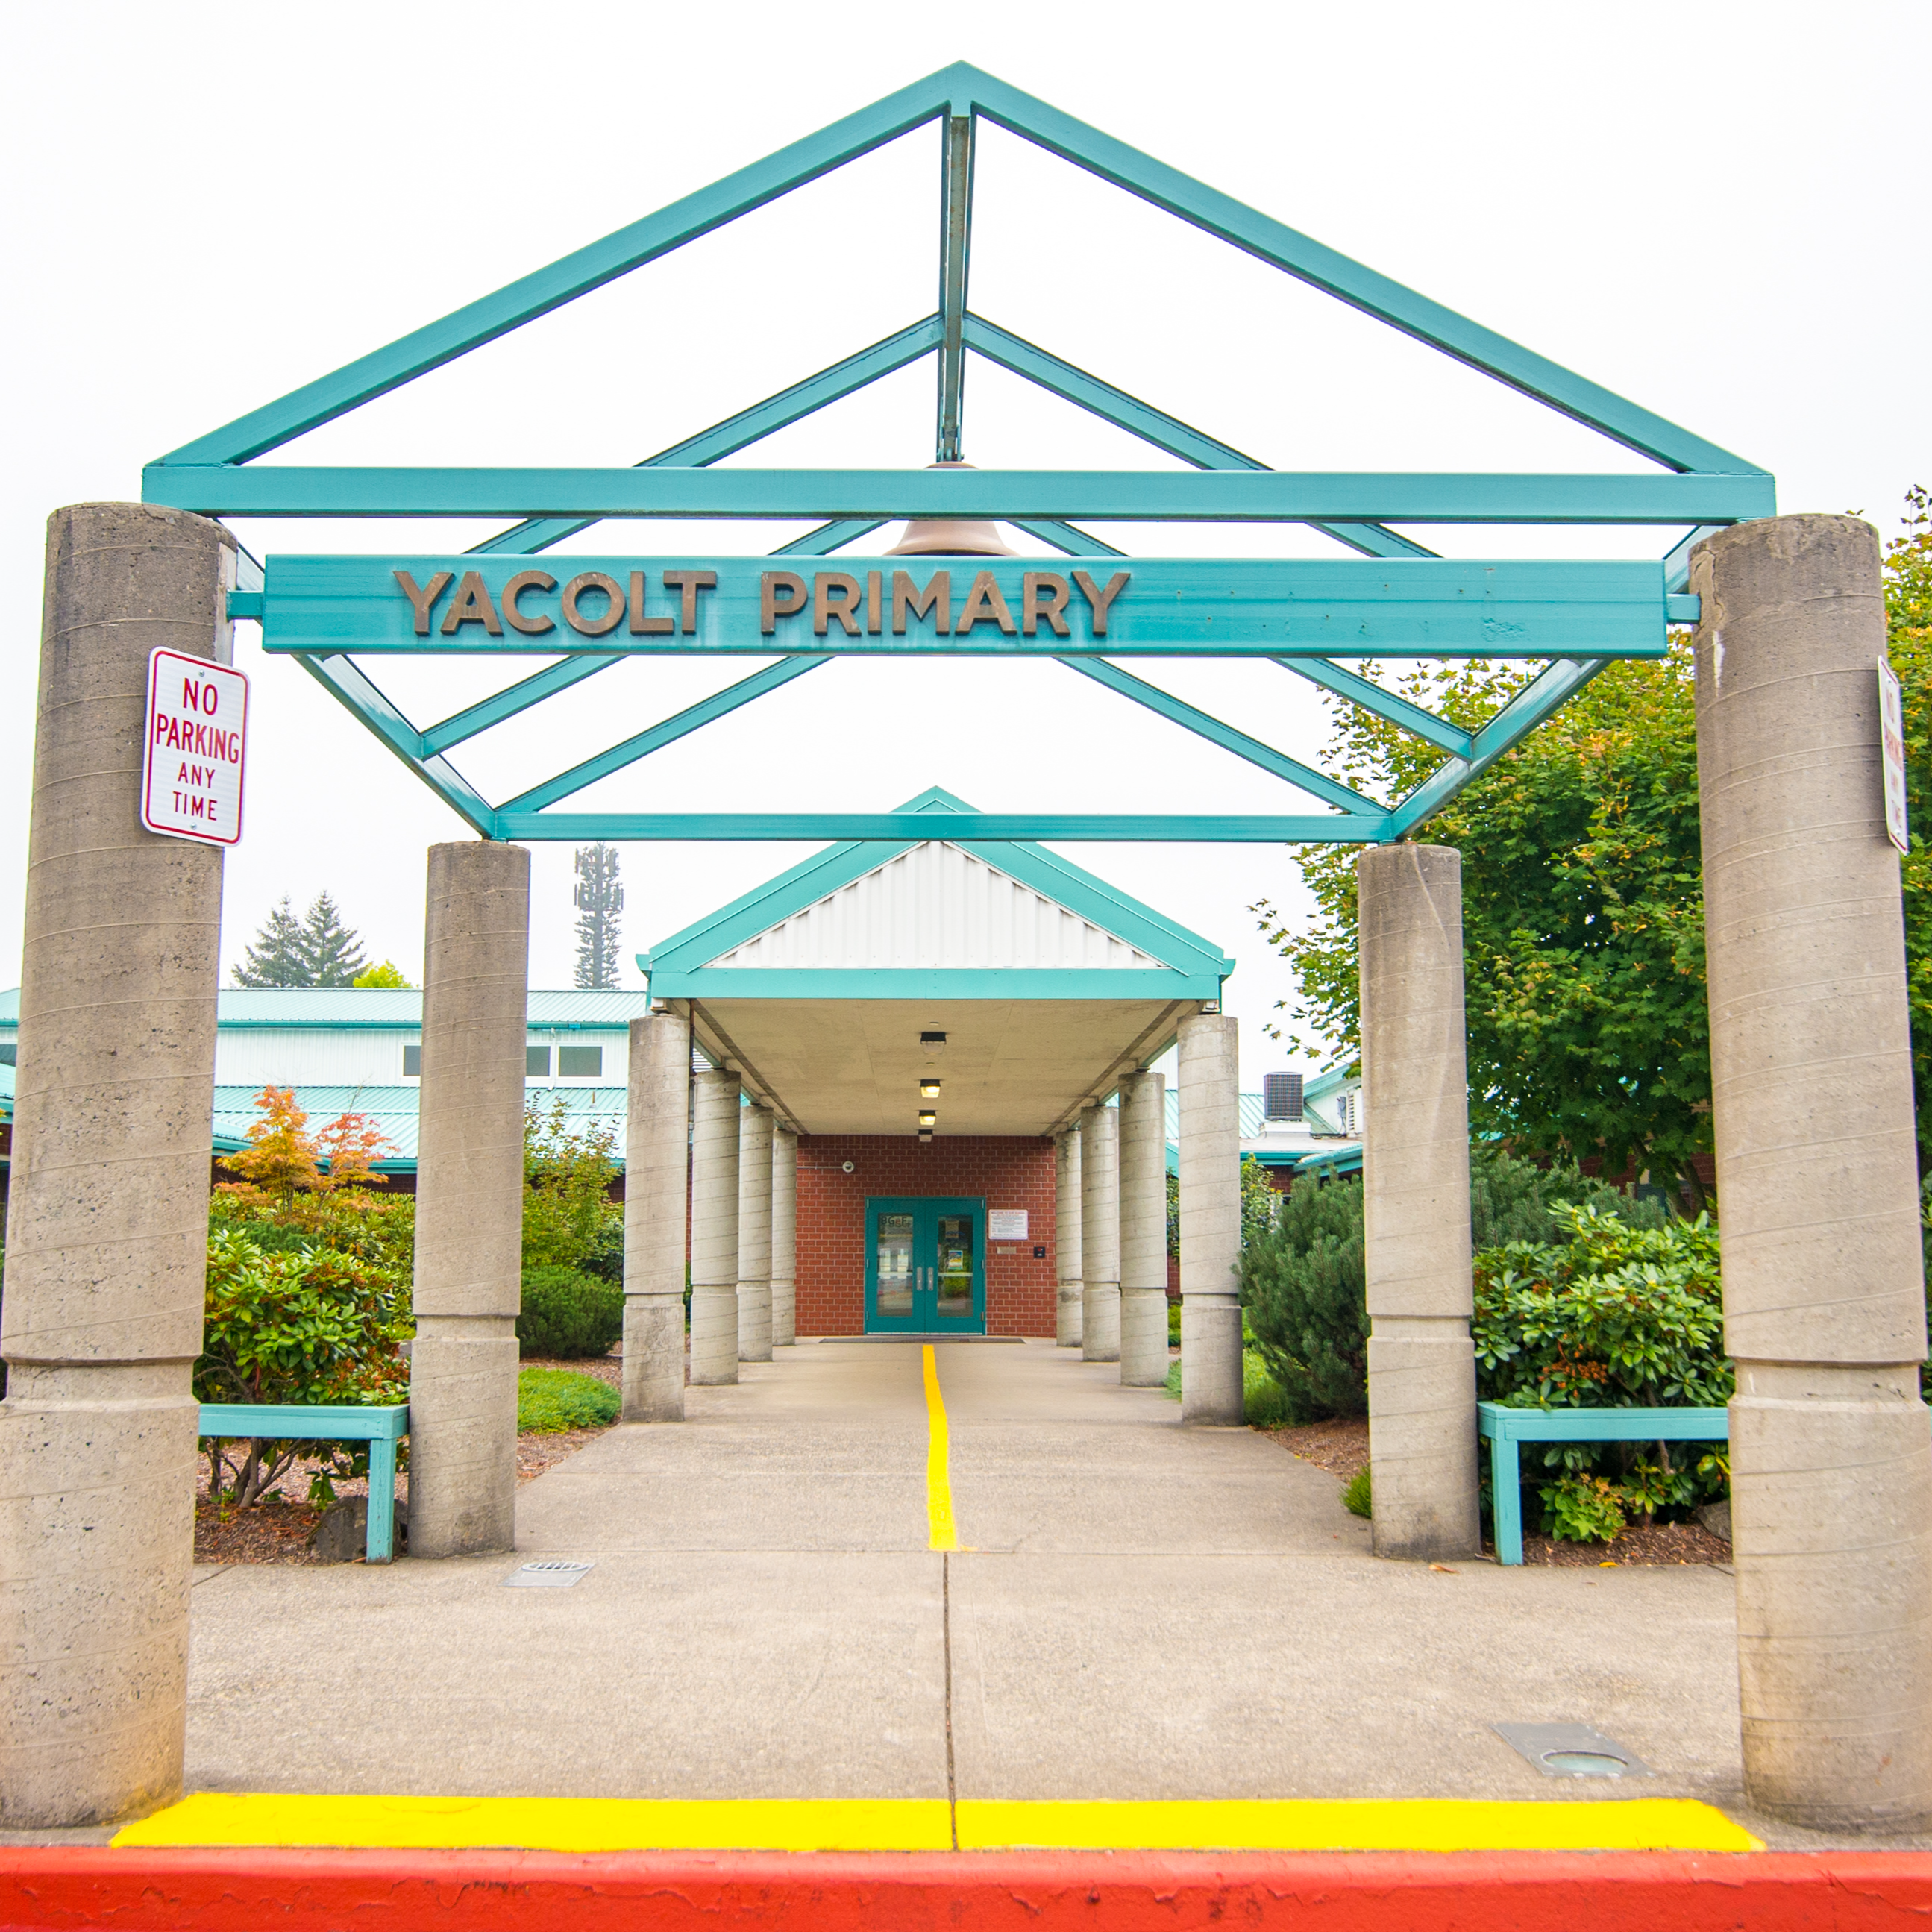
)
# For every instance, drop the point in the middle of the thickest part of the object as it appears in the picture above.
(1354, 1825)
(923, 1825)
(549, 1824)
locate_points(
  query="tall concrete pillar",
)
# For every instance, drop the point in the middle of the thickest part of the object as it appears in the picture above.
(1817, 1179)
(755, 1233)
(107, 1229)
(657, 1156)
(1144, 1231)
(1068, 1305)
(1211, 1219)
(784, 1238)
(1100, 1234)
(469, 1201)
(714, 1227)
(1415, 1183)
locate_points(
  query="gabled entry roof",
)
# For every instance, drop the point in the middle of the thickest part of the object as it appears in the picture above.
(1046, 983)
(942, 918)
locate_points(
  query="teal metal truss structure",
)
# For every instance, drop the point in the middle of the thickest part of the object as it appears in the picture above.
(1394, 598)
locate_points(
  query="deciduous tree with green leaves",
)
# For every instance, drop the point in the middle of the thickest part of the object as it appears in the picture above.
(1908, 617)
(1583, 911)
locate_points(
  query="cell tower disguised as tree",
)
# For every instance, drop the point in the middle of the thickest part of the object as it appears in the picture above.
(600, 898)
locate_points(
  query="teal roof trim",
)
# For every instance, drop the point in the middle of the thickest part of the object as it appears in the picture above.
(673, 961)
(916, 982)
(390, 1009)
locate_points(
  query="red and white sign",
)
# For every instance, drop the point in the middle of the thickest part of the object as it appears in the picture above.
(1891, 734)
(197, 733)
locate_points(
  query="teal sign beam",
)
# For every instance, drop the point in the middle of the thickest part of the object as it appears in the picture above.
(1107, 496)
(1313, 618)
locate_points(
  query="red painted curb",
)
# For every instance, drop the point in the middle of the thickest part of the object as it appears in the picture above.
(54, 1888)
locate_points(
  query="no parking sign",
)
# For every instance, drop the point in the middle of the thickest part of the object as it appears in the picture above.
(197, 733)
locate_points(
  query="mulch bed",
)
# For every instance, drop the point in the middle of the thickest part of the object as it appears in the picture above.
(1342, 1448)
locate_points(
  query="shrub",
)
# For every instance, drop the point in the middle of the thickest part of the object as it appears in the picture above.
(569, 1167)
(568, 1314)
(1614, 1317)
(1304, 1288)
(1264, 1402)
(551, 1400)
(1584, 1509)
(1356, 1498)
(303, 1325)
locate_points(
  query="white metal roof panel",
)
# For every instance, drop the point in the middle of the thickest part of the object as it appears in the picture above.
(936, 906)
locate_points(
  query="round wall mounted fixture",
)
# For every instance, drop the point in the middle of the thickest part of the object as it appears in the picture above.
(845, 1168)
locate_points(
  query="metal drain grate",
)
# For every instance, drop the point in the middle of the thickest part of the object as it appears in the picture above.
(554, 1573)
(1572, 1751)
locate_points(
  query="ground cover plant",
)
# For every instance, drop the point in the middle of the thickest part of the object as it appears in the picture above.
(551, 1401)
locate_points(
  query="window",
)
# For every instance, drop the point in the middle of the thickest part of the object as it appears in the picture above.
(10, 1054)
(412, 1063)
(580, 1063)
(536, 1063)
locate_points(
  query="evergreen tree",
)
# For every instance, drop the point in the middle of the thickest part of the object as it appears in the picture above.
(333, 953)
(600, 898)
(277, 957)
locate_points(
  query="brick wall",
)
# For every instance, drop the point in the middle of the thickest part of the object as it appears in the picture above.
(1005, 1171)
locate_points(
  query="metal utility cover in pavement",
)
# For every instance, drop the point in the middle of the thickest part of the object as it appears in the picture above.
(555, 1574)
(1572, 1751)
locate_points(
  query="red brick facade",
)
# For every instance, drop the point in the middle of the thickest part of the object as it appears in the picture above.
(1004, 1170)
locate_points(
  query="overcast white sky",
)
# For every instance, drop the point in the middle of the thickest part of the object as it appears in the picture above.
(1715, 209)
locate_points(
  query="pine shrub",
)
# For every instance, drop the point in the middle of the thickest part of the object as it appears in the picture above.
(1305, 1292)
(567, 1315)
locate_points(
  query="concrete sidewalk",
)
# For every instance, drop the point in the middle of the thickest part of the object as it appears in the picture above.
(1144, 1611)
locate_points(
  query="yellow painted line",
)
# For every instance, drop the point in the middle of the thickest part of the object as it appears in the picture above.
(938, 1477)
(549, 1824)
(1353, 1825)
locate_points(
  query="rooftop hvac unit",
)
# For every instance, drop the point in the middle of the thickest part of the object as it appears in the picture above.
(1281, 1095)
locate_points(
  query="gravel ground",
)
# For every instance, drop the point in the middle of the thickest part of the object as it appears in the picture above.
(1342, 1448)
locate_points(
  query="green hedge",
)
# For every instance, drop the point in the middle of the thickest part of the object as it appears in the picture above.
(568, 1314)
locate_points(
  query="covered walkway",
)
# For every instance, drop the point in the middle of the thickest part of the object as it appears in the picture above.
(1142, 1611)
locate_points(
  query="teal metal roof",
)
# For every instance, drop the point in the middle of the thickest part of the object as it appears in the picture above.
(1191, 967)
(389, 1008)
(392, 1110)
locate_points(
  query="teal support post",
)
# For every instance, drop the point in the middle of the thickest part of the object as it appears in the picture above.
(381, 1428)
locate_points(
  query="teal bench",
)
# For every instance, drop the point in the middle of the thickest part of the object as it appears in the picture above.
(1507, 1428)
(381, 1429)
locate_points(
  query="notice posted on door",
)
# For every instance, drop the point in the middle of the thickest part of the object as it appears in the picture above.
(197, 742)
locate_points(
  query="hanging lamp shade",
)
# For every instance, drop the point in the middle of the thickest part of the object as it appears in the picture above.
(949, 536)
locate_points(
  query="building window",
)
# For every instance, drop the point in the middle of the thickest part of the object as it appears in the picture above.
(412, 1063)
(580, 1063)
(10, 1054)
(536, 1063)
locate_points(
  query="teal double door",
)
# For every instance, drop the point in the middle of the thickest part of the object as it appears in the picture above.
(925, 1266)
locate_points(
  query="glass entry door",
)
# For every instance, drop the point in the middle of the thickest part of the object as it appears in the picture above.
(925, 1266)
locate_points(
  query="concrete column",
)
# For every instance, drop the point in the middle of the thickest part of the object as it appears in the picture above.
(1069, 1308)
(107, 1231)
(469, 1201)
(1144, 1231)
(1415, 1183)
(1100, 1234)
(755, 1233)
(784, 1238)
(657, 1157)
(1817, 1179)
(714, 1227)
(1211, 1219)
